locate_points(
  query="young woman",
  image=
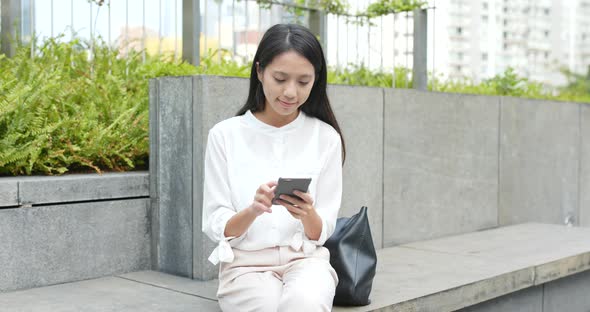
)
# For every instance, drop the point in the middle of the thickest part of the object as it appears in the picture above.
(271, 255)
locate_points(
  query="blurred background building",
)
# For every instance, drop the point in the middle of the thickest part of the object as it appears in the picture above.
(537, 38)
(473, 39)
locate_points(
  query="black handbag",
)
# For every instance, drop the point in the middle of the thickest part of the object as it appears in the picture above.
(353, 256)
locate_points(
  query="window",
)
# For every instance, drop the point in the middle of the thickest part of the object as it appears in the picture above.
(484, 18)
(505, 35)
(546, 33)
(485, 5)
(484, 56)
(546, 54)
(546, 11)
(459, 30)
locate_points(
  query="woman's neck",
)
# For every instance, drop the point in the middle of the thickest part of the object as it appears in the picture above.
(274, 119)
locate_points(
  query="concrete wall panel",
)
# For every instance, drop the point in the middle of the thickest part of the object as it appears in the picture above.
(214, 99)
(8, 192)
(154, 124)
(568, 294)
(63, 243)
(83, 187)
(221, 98)
(426, 164)
(526, 300)
(359, 111)
(539, 161)
(585, 166)
(440, 164)
(174, 139)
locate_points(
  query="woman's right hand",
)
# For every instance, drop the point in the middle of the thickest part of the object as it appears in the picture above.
(263, 198)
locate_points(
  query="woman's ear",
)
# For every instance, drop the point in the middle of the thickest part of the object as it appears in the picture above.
(258, 72)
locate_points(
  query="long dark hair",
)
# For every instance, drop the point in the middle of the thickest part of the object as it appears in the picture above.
(281, 38)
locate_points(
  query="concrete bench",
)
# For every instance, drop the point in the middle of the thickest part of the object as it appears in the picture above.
(526, 267)
(512, 264)
(518, 265)
(514, 268)
(452, 273)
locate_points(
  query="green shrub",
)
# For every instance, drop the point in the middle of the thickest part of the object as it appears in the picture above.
(362, 76)
(507, 83)
(65, 110)
(220, 63)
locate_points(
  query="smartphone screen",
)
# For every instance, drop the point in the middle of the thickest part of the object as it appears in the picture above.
(286, 186)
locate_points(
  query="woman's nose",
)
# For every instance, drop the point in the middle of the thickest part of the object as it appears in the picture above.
(290, 91)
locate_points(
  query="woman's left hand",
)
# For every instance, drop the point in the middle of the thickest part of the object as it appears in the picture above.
(300, 207)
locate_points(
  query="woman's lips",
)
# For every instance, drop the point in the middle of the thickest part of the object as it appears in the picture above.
(287, 104)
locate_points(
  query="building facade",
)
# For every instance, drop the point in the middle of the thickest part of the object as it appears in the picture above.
(481, 38)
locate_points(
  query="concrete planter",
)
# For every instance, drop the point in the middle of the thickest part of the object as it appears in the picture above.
(62, 229)
(427, 164)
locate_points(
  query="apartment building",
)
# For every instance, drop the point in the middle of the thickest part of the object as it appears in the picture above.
(581, 46)
(481, 38)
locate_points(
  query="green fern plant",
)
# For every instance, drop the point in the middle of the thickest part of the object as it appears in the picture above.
(66, 109)
(70, 110)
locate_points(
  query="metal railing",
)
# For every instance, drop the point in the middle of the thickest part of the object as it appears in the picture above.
(156, 27)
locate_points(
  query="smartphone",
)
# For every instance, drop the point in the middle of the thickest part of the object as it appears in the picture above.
(286, 186)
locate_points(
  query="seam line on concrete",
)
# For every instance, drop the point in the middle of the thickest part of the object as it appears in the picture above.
(580, 154)
(169, 289)
(543, 299)
(18, 193)
(155, 211)
(474, 256)
(499, 163)
(440, 252)
(192, 172)
(383, 169)
(9, 207)
(88, 201)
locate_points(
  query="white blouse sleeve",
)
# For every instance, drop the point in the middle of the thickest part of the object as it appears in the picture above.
(217, 206)
(329, 191)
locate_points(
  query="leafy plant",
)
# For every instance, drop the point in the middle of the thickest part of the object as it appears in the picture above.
(578, 86)
(385, 7)
(220, 62)
(66, 110)
(361, 75)
(78, 106)
(340, 7)
(508, 83)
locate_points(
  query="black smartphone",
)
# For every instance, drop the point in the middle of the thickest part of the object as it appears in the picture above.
(286, 186)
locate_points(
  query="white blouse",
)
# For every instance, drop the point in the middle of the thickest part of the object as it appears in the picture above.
(244, 153)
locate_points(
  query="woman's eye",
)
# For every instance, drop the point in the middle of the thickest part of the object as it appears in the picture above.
(279, 80)
(303, 83)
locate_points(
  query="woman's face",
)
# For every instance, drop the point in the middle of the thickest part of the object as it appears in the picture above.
(287, 82)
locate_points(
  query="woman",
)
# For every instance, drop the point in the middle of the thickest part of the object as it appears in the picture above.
(271, 256)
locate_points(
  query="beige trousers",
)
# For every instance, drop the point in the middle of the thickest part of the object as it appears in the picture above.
(277, 279)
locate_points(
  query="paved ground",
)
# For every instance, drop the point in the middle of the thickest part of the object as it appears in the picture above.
(139, 291)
